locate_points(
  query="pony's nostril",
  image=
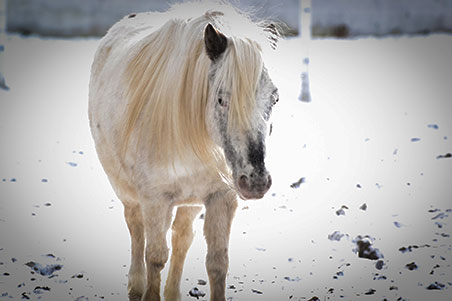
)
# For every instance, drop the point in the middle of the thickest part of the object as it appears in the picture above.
(243, 182)
(269, 181)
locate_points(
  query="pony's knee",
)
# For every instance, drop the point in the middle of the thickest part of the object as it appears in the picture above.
(217, 260)
(183, 235)
(156, 257)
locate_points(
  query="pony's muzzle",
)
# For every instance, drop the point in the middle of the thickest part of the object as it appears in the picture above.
(253, 186)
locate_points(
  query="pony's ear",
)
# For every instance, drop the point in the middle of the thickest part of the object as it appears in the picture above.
(214, 41)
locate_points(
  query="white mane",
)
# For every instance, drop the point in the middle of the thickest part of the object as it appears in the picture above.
(168, 88)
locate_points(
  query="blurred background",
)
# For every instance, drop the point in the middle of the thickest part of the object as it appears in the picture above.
(340, 18)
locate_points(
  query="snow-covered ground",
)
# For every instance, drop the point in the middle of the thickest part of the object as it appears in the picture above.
(378, 132)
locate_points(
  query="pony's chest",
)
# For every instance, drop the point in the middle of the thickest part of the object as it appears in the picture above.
(179, 184)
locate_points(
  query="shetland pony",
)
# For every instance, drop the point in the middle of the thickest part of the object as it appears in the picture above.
(179, 104)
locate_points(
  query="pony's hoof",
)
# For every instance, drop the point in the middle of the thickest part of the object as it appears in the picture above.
(135, 296)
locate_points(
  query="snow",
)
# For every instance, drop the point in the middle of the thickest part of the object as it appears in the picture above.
(351, 146)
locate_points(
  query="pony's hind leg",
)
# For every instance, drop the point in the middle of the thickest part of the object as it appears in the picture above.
(157, 219)
(182, 237)
(220, 209)
(137, 277)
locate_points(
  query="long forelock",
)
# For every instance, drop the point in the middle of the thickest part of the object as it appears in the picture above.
(238, 74)
(161, 115)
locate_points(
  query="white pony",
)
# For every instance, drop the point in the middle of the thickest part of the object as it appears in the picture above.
(179, 104)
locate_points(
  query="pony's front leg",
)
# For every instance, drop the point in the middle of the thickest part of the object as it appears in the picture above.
(220, 209)
(181, 240)
(137, 277)
(157, 219)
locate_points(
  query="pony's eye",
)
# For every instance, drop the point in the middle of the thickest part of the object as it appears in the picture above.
(221, 102)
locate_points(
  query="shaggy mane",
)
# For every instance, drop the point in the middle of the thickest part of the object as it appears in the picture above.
(168, 87)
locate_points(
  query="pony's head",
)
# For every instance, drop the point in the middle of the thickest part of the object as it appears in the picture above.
(240, 101)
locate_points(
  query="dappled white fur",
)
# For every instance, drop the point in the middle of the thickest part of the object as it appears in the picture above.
(164, 141)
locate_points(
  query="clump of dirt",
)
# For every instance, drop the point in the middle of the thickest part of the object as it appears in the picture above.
(298, 183)
(341, 211)
(257, 291)
(411, 266)
(435, 286)
(412, 247)
(196, 293)
(365, 248)
(336, 235)
(47, 270)
(448, 155)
